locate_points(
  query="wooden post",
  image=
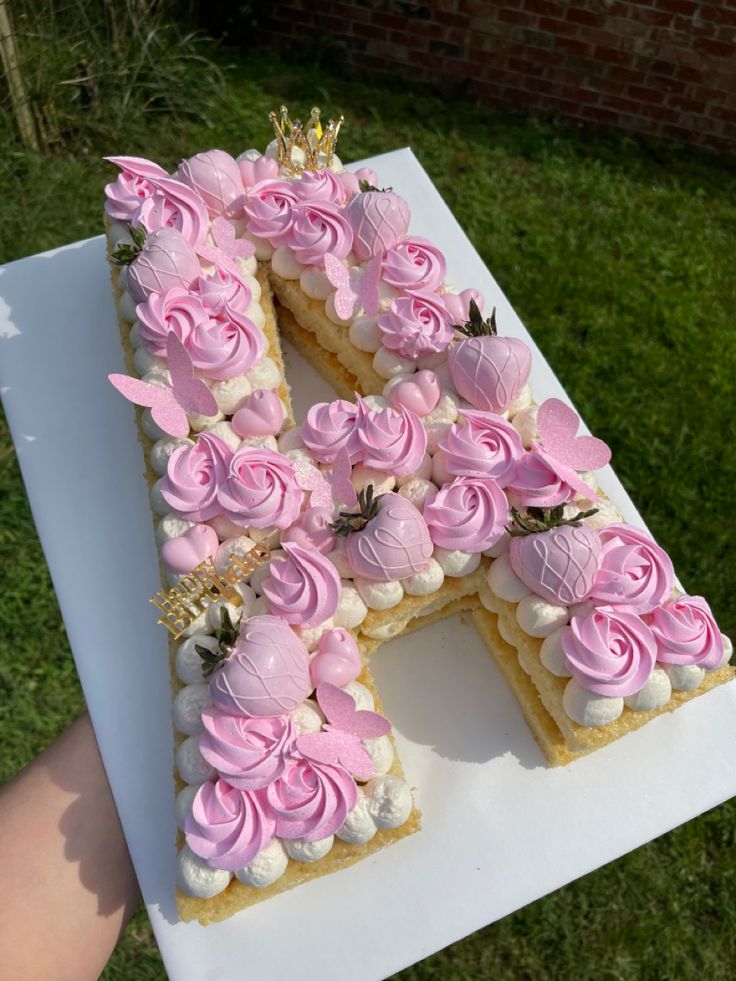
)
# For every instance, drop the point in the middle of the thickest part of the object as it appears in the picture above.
(16, 85)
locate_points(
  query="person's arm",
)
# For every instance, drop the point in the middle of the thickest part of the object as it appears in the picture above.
(67, 883)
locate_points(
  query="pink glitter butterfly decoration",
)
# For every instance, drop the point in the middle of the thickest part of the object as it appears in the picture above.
(340, 739)
(557, 425)
(355, 290)
(169, 406)
(227, 247)
(331, 489)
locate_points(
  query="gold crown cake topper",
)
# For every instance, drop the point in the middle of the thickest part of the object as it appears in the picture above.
(202, 587)
(316, 145)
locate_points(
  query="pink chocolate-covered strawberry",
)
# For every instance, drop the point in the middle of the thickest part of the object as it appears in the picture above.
(387, 539)
(157, 262)
(556, 557)
(379, 219)
(487, 370)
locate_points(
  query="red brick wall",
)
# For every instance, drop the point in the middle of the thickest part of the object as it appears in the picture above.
(665, 68)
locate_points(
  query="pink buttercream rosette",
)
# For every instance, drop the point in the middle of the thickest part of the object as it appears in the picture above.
(485, 445)
(686, 633)
(634, 572)
(228, 827)
(470, 514)
(610, 652)
(311, 800)
(249, 753)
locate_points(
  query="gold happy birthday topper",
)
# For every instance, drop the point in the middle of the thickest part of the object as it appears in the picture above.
(182, 604)
(317, 145)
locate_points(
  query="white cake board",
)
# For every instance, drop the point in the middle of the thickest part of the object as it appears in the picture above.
(500, 828)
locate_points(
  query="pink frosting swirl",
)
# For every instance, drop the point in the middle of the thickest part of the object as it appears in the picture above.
(267, 208)
(311, 800)
(215, 177)
(414, 264)
(124, 196)
(248, 753)
(485, 446)
(172, 204)
(392, 440)
(227, 826)
(610, 652)
(225, 346)
(224, 287)
(469, 514)
(194, 475)
(304, 588)
(320, 185)
(634, 571)
(416, 325)
(686, 633)
(260, 489)
(329, 427)
(175, 311)
(536, 484)
(318, 227)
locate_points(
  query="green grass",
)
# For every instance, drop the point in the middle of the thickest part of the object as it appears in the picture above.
(619, 258)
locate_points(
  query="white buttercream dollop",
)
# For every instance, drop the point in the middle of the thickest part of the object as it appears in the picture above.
(455, 562)
(311, 636)
(727, 651)
(284, 264)
(590, 710)
(387, 364)
(314, 283)
(268, 866)
(362, 696)
(436, 432)
(684, 677)
(196, 878)
(351, 610)
(538, 618)
(188, 705)
(158, 504)
(183, 803)
(381, 751)
(240, 546)
(359, 825)
(307, 851)
(389, 801)
(379, 595)
(504, 582)
(188, 663)
(551, 654)
(522, 401)
(655, 693)
(227, 434)
(214, 613)
(265, 374)
(308, 717)
(171, 526)
(365, 334)
(425, 582)
(230, 393)
(162, 450)
(362, 476)
(418, 491)
(191, 764)
(525, 423)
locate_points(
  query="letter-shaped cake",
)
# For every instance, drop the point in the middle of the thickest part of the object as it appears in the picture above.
(432, 484)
